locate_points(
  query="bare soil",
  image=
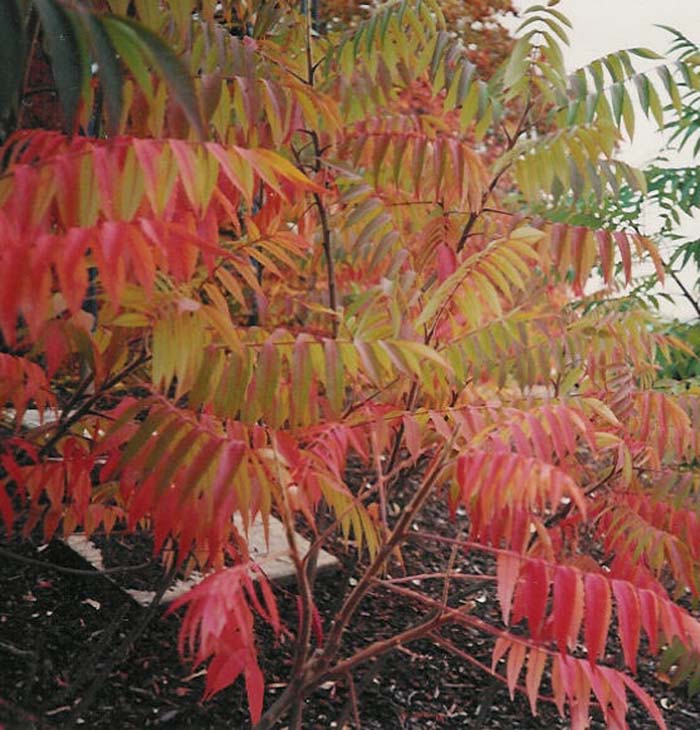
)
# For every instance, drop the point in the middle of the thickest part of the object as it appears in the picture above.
(60, 630)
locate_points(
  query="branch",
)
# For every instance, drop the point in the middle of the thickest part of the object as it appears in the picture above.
(5, 553)
(86, 407)
(473, 216)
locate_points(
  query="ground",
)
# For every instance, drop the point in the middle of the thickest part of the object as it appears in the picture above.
(59, 630)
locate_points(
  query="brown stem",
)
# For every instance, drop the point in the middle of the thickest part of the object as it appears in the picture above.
(379, 648)
(684, 290)
(357, 691)
(403, 525)
(686, 293)
(310, 67)
(297, 713)
(396, 450)
(328, 255)
(474, 215)
(317, 667)
(304, 636)
(451, 574)
(325, 228)
(353, 700)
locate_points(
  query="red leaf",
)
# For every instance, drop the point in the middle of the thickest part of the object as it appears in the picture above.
(539, 438)
(69, 260)
(224, 669)
(536, 590)
(187, 169)
(567, 611)
(6, 511)
(110, 257)
(629, 620)
(556, 432)
(625, 253)
(578, 238)
(605, 249)
(222, 489)
(598, 611)
(499, 649)
(567, 431)
(616, 695)
(148, 153)
(255, 689)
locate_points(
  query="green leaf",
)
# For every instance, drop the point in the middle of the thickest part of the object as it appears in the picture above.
(645, 53)
(442, 39)
(168, 65)
(614, 66)
(554, 26)
(671, 87)
(617, 94)
(127, 46)
(68, 63)
(628, 114)
(642, 84)
(655, 105)
(12, 55)
(517, 63)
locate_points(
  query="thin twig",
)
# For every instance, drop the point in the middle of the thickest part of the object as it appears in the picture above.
(474, 215)
(4, 552)
(86, 407)
(353, 699)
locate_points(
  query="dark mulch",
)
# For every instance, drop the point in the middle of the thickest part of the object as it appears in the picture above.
(57, 630)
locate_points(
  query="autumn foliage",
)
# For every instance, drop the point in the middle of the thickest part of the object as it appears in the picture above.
(257, 250)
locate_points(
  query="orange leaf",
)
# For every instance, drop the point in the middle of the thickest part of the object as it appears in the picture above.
(516, 657)
(507, 572)
(536, 662)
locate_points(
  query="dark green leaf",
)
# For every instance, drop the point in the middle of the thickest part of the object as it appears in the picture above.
(127, 46)
(167, 64)
(67, 60)
(12, 55)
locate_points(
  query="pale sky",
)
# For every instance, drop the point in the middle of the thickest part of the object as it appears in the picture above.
(602, 26)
